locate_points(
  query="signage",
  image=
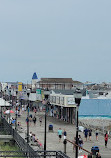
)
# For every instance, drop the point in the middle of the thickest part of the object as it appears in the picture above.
(19, 86)
(38, 91)
(71, 101)
(38, 94)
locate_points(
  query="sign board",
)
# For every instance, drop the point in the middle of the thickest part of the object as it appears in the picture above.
(38, 91)
(70, 100)
(19, 86)
(38, 94)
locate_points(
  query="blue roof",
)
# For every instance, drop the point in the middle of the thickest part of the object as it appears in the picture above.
(34, 76)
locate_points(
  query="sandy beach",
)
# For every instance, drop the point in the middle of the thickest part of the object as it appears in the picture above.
(97, 122)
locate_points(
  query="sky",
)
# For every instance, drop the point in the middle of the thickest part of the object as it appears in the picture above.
(55, 39)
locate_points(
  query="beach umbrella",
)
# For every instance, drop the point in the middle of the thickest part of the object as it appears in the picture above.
(8, 112)
(83, 156)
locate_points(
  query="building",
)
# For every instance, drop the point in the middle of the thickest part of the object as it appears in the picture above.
(62, 105)
(59, 83)
(34, 81)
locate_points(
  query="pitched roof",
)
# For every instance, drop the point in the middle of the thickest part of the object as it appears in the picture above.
(57, 80)
(34, 77)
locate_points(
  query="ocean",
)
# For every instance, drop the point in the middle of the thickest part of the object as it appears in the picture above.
(95, 108)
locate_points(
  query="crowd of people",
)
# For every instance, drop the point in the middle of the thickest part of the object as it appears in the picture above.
(87, 134)
(32, 119)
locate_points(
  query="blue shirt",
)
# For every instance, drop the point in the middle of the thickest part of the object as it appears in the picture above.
(59, 132)
(86, 131)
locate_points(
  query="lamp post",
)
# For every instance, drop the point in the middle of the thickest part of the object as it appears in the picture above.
(28, 109)
(45, 103)
(77, 96)
(16, 111)
(16, 116)
(28, 123)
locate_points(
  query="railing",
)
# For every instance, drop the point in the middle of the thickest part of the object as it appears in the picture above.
(25, 149)
(21, 154)
(22, 144)
(79, 147)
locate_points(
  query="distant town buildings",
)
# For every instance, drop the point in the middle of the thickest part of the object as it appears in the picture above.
(58, 92)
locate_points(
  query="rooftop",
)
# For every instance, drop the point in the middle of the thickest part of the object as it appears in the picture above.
(34, 77)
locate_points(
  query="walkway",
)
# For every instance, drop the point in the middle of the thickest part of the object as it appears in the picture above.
(52, 138)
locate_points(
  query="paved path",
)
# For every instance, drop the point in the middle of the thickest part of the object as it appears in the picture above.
(52, 138)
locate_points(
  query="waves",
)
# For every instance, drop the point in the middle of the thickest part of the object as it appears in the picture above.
(96, 116)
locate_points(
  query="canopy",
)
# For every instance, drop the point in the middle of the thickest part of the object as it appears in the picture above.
(8, 112)
(4, 103)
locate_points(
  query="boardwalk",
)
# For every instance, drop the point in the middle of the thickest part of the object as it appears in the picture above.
(52, 138)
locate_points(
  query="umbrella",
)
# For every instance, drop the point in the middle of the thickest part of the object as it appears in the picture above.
(8, 112)
(83, 156)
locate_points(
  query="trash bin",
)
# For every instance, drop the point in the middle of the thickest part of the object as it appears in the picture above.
(50, 128)
(94, 150)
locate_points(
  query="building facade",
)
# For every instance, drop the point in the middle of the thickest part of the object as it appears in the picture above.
(62, 106)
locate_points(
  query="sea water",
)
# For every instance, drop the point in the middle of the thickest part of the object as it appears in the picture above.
(95, 108)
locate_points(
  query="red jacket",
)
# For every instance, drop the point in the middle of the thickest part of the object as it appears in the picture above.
(106, 137)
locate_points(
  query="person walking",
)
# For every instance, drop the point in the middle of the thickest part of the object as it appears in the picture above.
(65, 134)
(106, 139)
(34, 120)
(60, 134)
(35, 110)
(80, 143)
(27, 120)
(96, 134)
(40, 120)
(86, 133)
(30, 119)
(90, 134)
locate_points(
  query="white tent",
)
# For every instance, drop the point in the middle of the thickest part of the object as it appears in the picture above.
(4, 103)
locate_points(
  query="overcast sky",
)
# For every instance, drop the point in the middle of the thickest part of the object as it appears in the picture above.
(55, 38)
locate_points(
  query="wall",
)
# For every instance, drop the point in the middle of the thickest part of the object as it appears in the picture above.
(95, 107)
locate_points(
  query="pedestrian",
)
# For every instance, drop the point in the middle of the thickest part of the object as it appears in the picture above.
(106, 139)
(30, 136)
(34, 120)
(74, 142)
(65, 134)
(22, 108)
(86, 133)
(80, 143)
(40, 120)
(90, 134)
(98, 155)
(35, 110)
(27, 120)
(96, 134)
(60, 134)
(30, 119)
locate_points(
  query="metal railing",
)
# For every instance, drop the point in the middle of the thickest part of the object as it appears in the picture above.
(21, 154)
(25, 149)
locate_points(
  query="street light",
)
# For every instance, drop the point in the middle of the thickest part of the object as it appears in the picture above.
(28, 123)
(44, 102)
(28, 109)
(16, 111)
(77, 96)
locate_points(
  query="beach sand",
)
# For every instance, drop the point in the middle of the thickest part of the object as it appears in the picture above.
(97, 122)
